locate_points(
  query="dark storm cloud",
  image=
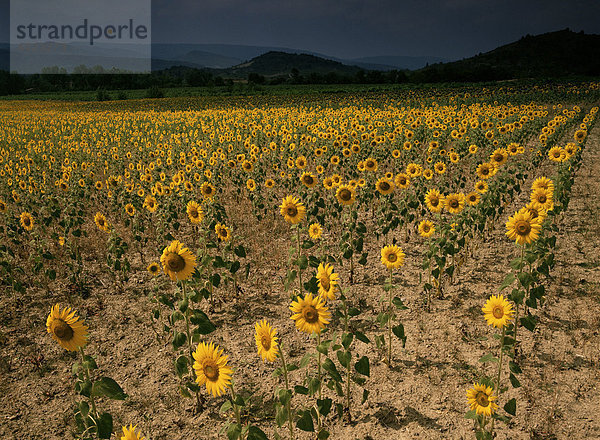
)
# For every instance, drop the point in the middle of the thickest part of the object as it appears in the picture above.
(354, 28)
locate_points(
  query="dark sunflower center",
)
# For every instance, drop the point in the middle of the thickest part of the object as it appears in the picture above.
(345, 195)
(175, 262)
(392, 258)
(308, 180)
(265, 341)
(542, 198)
(498, 312)
(101, 222)
(370, 164)
(498, 157)
(384, 186)
(62, 330)
(453, 203)
(310, 314)
(292, 211)
(434, 201)
(26, 221)
(482, 399)
(523, 227)
(485, 171)
(211, 370)
(402, 181)
(194, 213)
(426, 228)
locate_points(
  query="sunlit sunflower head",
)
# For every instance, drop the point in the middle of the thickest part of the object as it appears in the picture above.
(434, 200)
(101, 222)
(481, 186)
(370, 164)
(153, 268)
(345, 195)
(535, 212)
(543, 182)
(309, 180)
(2, 206)
(178, 261)
(328, 281)
(473, 198)
(498, 311)
(486, 170)
(130, 434)
(292, 210)
(315, 231)
(522, 228)
(428, 174)
(414, 170)
(130, 210)
(402, 180)
(481, 399)
(251, 184)
(194, 212)
(310, 314)
(392, 257)
(26, 221)
(211, 368)
(426, 228)
(455, 203)
(223, 232)
(269, 183)
(150, 203)
(66, 328)
(499, 157)
(440, 167)
(580, 135)
(542, 199)
(207, 190)
(266, 341)
(384, 186)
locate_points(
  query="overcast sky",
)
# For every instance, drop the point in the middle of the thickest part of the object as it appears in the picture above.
(358, 28)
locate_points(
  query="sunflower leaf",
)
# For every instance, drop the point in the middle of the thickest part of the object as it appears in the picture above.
(255, 433)
(324, 406)
(362, 366)
(330, 367)
(488, 358)
(105, 425)
(105, 386)
(234, 431)
(508, 280)
(511, 407)
(305, 422)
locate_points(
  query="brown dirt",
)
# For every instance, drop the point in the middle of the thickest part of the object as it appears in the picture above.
(422, 396)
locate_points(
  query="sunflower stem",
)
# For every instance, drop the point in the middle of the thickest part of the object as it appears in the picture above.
(390, 320)
(346, 329)
(87, 377)
(287, 387)
(517, 304)
(319, 377)
(499, 373)
(236, 408)
(298, 259)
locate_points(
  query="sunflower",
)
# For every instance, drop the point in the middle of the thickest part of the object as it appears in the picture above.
(101, 222)
(66, 328)
(455, 203)
(308, 180)
(473, 198)
(498, 311)
(522, 227)
(251, 184)
(130, 209)
(310, 314)
(150, 204)
(153, 268)
(414, 170)
(426, 229)
(392, 257)
(542, 199)
(434, 200)
(292, 210)
(223, 232)
(473, 149)
(543, 182)
(61, 241)
(328, 281)
(580, 135)
(211, 368)
(266, 340)
(178, 262)
(315, 231)
(402, 180)
(384, 186)
(499, 157)
(269, 183)
(486, 170)
(440, 167)
(194, 212)
(556, 154)
(345, 195)
(481, 186)
(481, 399)
(130, 434)
(370, 164)
(207, 190)
(27, 221)
(536, 212)
(428, 174)
(2, 206)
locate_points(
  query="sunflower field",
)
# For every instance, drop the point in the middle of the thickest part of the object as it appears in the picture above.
(416, 264)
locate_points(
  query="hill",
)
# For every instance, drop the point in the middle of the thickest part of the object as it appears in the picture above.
(554, 54)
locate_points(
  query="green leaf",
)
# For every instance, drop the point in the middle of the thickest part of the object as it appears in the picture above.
(329, 366)
(488, 358)
(181, 365)
(105, 425)
(508, 280)
(399, 304)
(347, 340)
(105, 386)
(323, 434)
(240, 251)
(226, 406)
(471, 414)
(353, 311)
(511, 407)
(362, 337)
(235, 266)
(305, 360)
(362, 366)
(203, 324)
(324, 406)
(365, 396)
(285, 396)
(305, 422)
(178, 340)
(398, 330)
(234, 431)
(529, 322)
(299, 389)
(215, 279)
(514, 381)
(344, 357)
(255, 433)
(514, 367)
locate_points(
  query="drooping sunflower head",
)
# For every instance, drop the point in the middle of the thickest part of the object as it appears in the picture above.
(310, 314)
(315, 231)
(101, 222)
(426, 228)
(178, 261)
(328, 281)
(392, 257)
(498, 311)
(194, 212)
(523, 228)
(434, 200)
(499, 157)
(153, 268)
(481, 399)
(211, 368)
(266, 341)
(384, 186)
(455, 203)
(308, 180)
(130, 434)
(345, 195)
(26, 221)
(66, 328)
(536, 212)
(2, 206)
(292, 210)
